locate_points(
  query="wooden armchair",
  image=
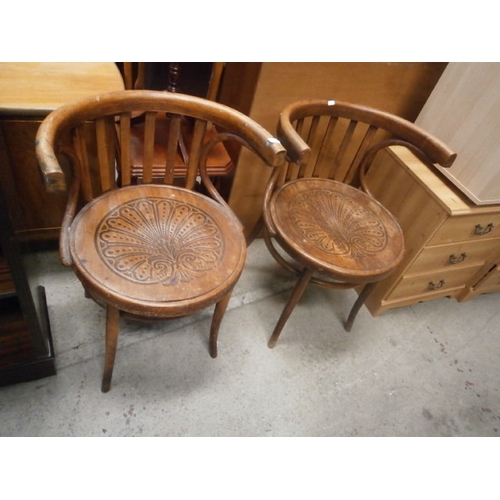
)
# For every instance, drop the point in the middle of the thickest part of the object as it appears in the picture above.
(144, 249)
(337, 235)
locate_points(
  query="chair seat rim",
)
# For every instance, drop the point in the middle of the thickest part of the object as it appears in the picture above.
(328, 263)
(152, 304)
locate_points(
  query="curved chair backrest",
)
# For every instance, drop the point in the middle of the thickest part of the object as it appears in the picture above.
(103, 136)
(338, 140)
(129, 137)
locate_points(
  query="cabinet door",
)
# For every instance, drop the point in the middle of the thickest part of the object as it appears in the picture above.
(35, 214)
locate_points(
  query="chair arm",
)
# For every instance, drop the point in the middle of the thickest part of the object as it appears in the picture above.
(55, 181)
(297, 149)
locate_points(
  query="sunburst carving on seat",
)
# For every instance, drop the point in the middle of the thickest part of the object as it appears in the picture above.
(337, 224)
(159, 240)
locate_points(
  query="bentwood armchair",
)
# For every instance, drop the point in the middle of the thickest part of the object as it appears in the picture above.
(144, 246)
(321, 221)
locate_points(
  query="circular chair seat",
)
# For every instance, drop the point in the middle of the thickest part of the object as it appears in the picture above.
(156, 251)
(336, 229)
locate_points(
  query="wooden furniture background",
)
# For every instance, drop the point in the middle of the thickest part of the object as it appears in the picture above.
(262, 90)
(453, 245)
(28, 92)
(200, 79)
(464, 110)
(26, 351)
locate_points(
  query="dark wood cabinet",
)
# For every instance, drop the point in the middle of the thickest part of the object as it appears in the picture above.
(28, 93)
(26, 350)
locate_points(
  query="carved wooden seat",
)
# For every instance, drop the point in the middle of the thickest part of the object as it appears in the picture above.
(147, 250)
(321, 222)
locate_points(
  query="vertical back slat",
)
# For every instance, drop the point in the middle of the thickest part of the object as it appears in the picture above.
(80, 147)
(105, 135)
(172, 144)
(346, 142)
(311, 139)
(125, 161)
(352, 173)
(149, 144)
(325, 143)
(292, 168)
(194, 153)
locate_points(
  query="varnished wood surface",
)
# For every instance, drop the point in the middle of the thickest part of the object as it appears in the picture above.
(218, 163)
(157, 250)
(441, 189)
(35, 89)
(338, 229)
(439, 225)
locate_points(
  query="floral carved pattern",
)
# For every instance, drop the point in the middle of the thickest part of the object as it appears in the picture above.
(159, 241)
(337, 224)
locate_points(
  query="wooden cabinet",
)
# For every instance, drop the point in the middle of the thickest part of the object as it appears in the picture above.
(453, 245)
(26, 351)
(28, 93)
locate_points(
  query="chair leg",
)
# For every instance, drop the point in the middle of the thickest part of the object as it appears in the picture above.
(112, 330)
(358, 304)
(294, 298)
(220, 309)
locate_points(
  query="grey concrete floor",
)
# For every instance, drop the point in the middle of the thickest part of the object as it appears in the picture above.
(432, 369)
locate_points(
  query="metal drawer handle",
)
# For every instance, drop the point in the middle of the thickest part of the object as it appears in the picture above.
(435, 286)
(456, 260)
(480, 230)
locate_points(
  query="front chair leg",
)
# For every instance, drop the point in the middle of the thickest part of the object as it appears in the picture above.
(112, 330)
(220, 309)
(294, 298)
(358, 304)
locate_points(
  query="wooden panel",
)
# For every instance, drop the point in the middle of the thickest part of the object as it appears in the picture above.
(7, 286)
(400, 88)
(463, 111)
(35, 89)
(32, 208)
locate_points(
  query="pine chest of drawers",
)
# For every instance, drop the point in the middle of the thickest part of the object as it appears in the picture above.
(452, 245)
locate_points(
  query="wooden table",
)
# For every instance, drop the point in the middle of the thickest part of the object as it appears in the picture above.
(28, 92)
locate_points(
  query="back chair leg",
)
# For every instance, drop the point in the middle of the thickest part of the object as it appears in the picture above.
(294, 298)
(358, 304)
(220, 309)
(112, 330)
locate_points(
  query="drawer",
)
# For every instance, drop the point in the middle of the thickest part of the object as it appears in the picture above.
(467, 227)
(429, 283)
(456, 255)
